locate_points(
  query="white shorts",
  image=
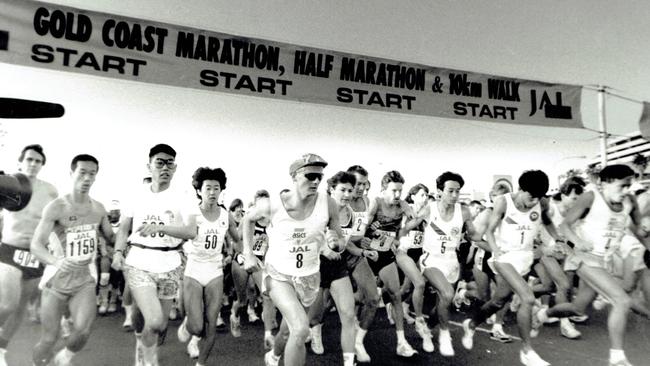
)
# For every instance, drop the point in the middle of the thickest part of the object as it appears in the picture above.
(447, 265)
(203, 272)
(630, 250)
(521, 260)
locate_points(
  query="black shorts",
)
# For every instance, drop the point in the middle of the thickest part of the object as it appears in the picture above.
(646, 258)
(384, 259)
(415, 254)
(350, 260)
(485, 267)
(21, 259)
(332, 270)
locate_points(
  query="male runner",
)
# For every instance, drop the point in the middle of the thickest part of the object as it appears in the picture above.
(298, 219)
(514, 223)
(601, 217)
(20, 271)
(446, 221)
(153, 264)
(384, 230)
(77, 220)
(357, 260)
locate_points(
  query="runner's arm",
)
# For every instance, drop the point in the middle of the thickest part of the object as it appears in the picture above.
(38, 246)
(494, 220)
(575, 213)
(261, 210)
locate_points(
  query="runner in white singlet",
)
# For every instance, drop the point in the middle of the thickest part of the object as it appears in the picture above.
(514, 223)
(298, 220)
(153, 226)
(596, 225)
(446, 221)
(203, 277)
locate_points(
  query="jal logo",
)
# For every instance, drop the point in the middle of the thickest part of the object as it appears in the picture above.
(555, 111)
(534, 216)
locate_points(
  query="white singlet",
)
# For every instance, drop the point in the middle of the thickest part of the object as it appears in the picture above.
(602, 227)
(294, 245)
(162, 208)
(518, 229)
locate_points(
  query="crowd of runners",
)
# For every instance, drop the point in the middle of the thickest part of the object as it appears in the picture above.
(299, 253)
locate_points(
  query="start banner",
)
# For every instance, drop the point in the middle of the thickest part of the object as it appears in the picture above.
(68, 39)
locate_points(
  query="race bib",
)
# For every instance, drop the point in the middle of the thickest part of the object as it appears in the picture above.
(359, 224)
(81, 245)
(415, 238)
(25, 259)
(383, 243)
(260, 245)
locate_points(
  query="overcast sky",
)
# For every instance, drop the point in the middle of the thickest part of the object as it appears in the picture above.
(254, 139)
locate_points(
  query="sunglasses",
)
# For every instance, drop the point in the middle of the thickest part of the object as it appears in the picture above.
(313, 176)
(159, 163)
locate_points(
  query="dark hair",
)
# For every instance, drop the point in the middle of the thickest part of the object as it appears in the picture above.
(262, 193)
(534, 182)
(358, 169)
(36, 147)
(475, 203)
(573, 184)
(162, 148)
(83, 157)
(391, 177)
(414, 190)
(203, 174)
(235, 203)
(342, 178)
(614, 172)
(446, 176)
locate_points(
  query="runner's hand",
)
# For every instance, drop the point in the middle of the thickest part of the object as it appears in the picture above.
(250, 263)
(118, 261)
(371, 254)
(330, 254)
(147, 229)
(365, 242)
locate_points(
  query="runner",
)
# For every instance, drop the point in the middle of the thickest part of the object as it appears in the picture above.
(553, 258)
(20, 272)
(77, 220)
(445, 221)
(153, 264)
(357, 260)
(408, 257)
(335, 278)
(203, 279)
(601, 217)
(298, 219)
(484, 278)
(384, 230)
(514, 223)
(241, 277)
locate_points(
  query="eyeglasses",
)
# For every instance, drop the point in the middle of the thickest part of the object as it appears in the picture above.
(159, 163)
(313, 176)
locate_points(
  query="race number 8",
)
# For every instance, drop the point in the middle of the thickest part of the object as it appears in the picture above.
(299, 260)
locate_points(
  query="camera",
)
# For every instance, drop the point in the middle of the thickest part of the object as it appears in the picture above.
(15, 191)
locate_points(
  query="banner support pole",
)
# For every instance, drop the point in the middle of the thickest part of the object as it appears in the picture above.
(602, 119)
